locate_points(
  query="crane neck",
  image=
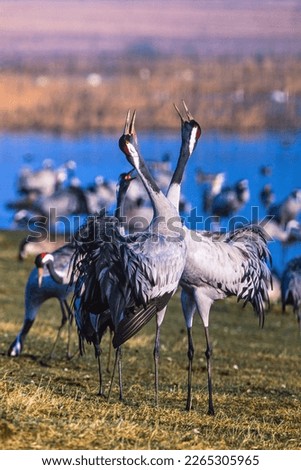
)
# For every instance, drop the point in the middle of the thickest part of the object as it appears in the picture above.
(191, 133)
(53, 273)
(174, 189)
(120, 199)
(161, 205)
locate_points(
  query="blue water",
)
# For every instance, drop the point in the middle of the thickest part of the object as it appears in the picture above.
(237, 156)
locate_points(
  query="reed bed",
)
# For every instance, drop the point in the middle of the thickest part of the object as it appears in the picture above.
(78, 95)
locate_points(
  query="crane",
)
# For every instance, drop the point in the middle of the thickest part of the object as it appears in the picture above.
(218, 266)
(49, 279)
(291, 287)
(133, 277)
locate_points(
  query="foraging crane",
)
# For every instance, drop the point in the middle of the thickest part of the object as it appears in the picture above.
(218, 266)
(133, 277)
(291, 288)
(49, 279)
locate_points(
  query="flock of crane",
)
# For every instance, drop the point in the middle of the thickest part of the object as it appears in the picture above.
(119, 280)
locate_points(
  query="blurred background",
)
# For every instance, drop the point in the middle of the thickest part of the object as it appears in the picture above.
(69, 70)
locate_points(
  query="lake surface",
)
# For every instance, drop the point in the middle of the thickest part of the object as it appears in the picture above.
(237, 156)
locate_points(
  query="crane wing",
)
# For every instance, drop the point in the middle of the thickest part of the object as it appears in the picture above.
(231, 264)
(153, 267)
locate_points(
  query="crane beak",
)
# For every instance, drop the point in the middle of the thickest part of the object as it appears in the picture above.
(132, 124)
(40, 276)
(179, 113)
(129, 126)
(127, 123)
(188, 114)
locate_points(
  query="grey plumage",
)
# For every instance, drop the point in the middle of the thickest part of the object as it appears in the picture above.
(291, 288)
(288, 209)
(41, 182)
(231, 199)
(65, 201)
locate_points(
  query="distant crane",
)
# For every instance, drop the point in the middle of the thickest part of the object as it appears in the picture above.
(231, 199)
(291, 288)
(287, 235)
(267, 196)
(288, 209)
(43, 181)
(31, 245)
(212, 190)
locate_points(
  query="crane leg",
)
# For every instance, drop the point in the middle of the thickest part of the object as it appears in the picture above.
(160, 317)
(113, 374)
(100, 391)
(63, 322)
(16, 347)
(208, 354)
(110, 352)
(156, 361)
(190, 354)
(97, 351)
(70, 319)
(120, 375)
(117, 361)
(189, 304)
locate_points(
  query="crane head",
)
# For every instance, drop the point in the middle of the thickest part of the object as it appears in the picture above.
(42, 260)
(124, 181)
(128, 142)
(126, 178)
(190, 128)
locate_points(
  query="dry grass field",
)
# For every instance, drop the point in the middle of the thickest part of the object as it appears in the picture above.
(53, 404)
